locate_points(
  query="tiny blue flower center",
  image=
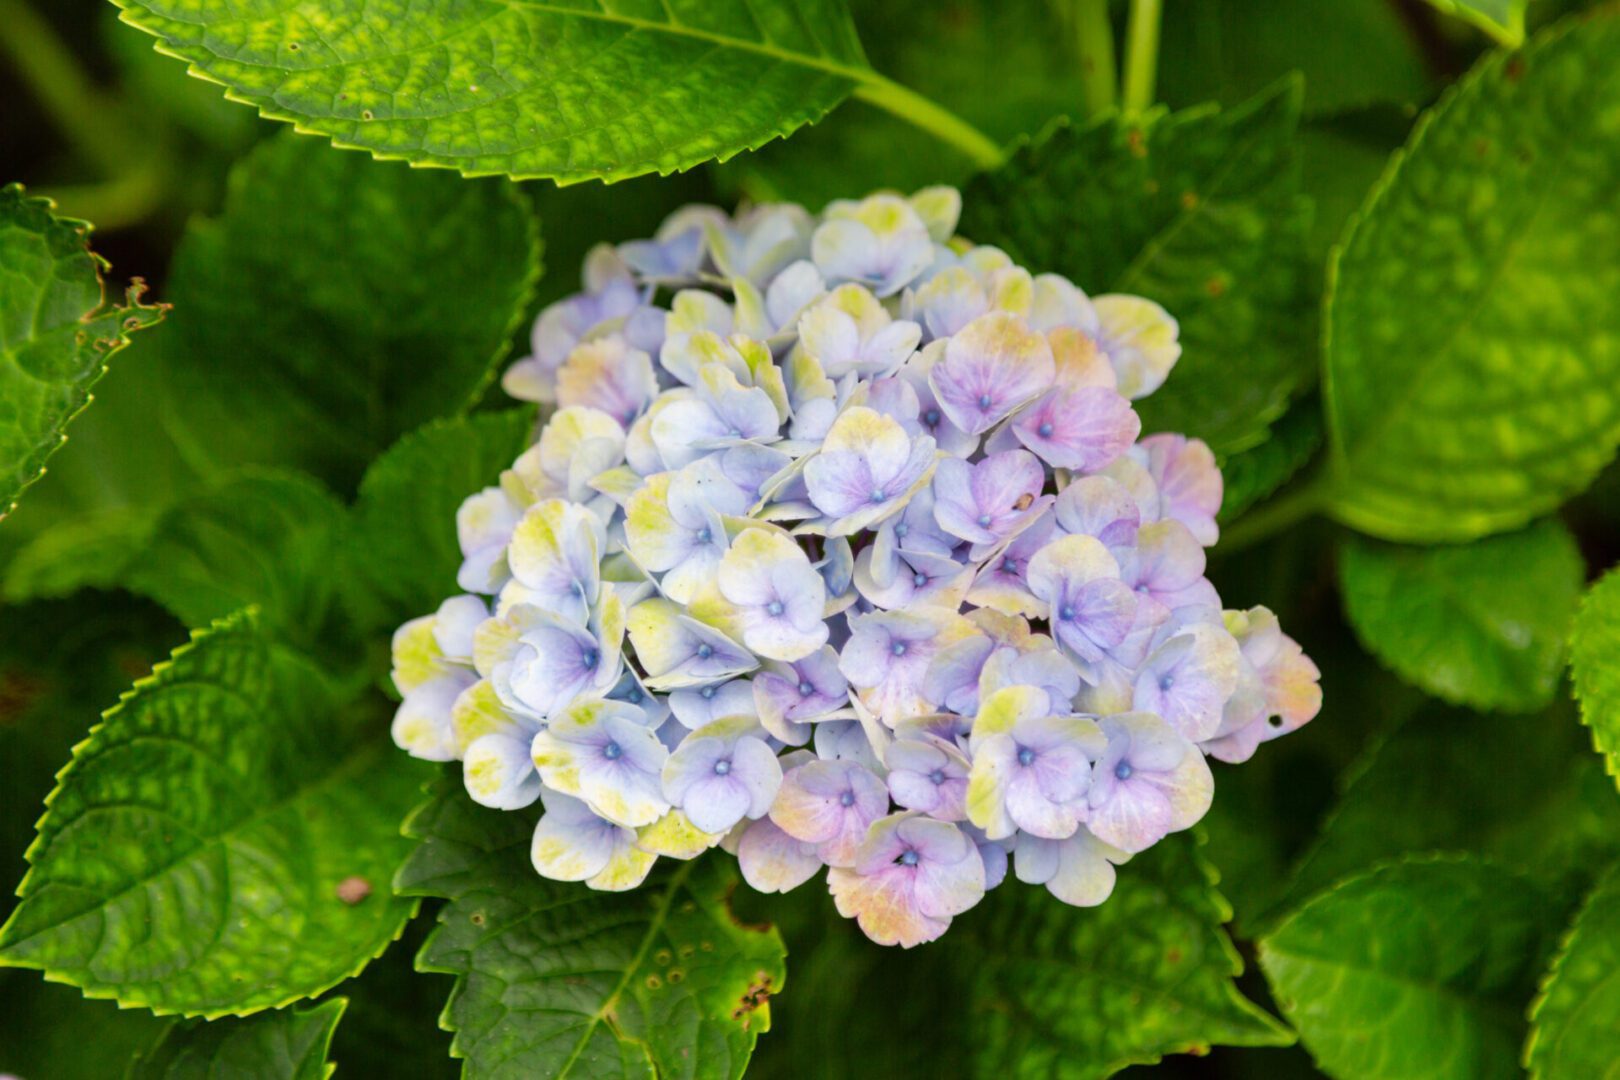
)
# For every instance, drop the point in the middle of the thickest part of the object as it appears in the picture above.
(919, 579)
(877, 495)
(1166, 681)
(908, 857)
(705, 651)
(722, 767)
(847, 799)
(735, 434)
(937, 776)
(1045, 430)
(931, 417)
(635, 696)
(1067, 612)
(612, 751)
(1123, 770)
(774, 607)
(578, 590)
(590, 658)
(707, 692)
(805, 689)
(901, 530)
(704, 536)
(1026, 756)
(1009, 565)
(984, 401)
(898, 648)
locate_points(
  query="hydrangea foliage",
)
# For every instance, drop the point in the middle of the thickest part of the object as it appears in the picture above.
(841, 548)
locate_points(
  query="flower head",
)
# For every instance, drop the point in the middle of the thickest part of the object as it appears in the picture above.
(839, 523)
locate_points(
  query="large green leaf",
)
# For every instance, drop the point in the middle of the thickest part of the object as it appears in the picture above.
(1576, 1016)
(192, 851)
(261, 537)
(1473, 349)
(557, 980)
(1595, 663)
(350, 301)
(1482, 624)
(56, 332)
(1351, 52)
(1198, 210)
(1065, 992)
(402, 542)
(288, 1044)
(1522, 791)
(565, 89)
(1415, 970)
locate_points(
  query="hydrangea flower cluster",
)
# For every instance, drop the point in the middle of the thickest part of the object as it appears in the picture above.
(840, 549)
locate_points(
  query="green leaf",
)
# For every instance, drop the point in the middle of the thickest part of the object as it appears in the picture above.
(403, 540)
(352, 302)
(1351, 52)
(1502, 19)
(190, 858)
(1417, 969)
(258, 537)
(565, 89)
(1482, 624)
(1260, 470)
(1521, 791)
(556, 980)
(1473, 352)
(1198, 210)
(57, 331)
(1595, 664)
(1073, 993)
(1574, 1020)
(289, 1044)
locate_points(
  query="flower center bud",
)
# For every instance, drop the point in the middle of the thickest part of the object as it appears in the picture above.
(1045, 430)
(937, 776)
(774, 607)
(705, 536)
(590, 658)
(707, 692)
(877, 495)
(984, 401)
(846, 799)
(705, 651)
(805, 689)
(984, 521)
(1166, 682)
(1067, 612)
(908, 857)
(1123, 770)
(1026, 756)
(612, 751)
(898, 648)
(919, 579)
(901, 530)
(931, 418)
(722, 767)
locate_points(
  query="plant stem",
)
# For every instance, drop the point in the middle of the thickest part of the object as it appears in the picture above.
(1301, 502)
(73, 102)
(1094, 41)
(1141, 54)
(931, 117)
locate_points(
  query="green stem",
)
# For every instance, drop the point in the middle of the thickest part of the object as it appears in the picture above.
(1300, 502)
(74, 103)
(1141, 54)
(931, 117)
(1094, 42)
